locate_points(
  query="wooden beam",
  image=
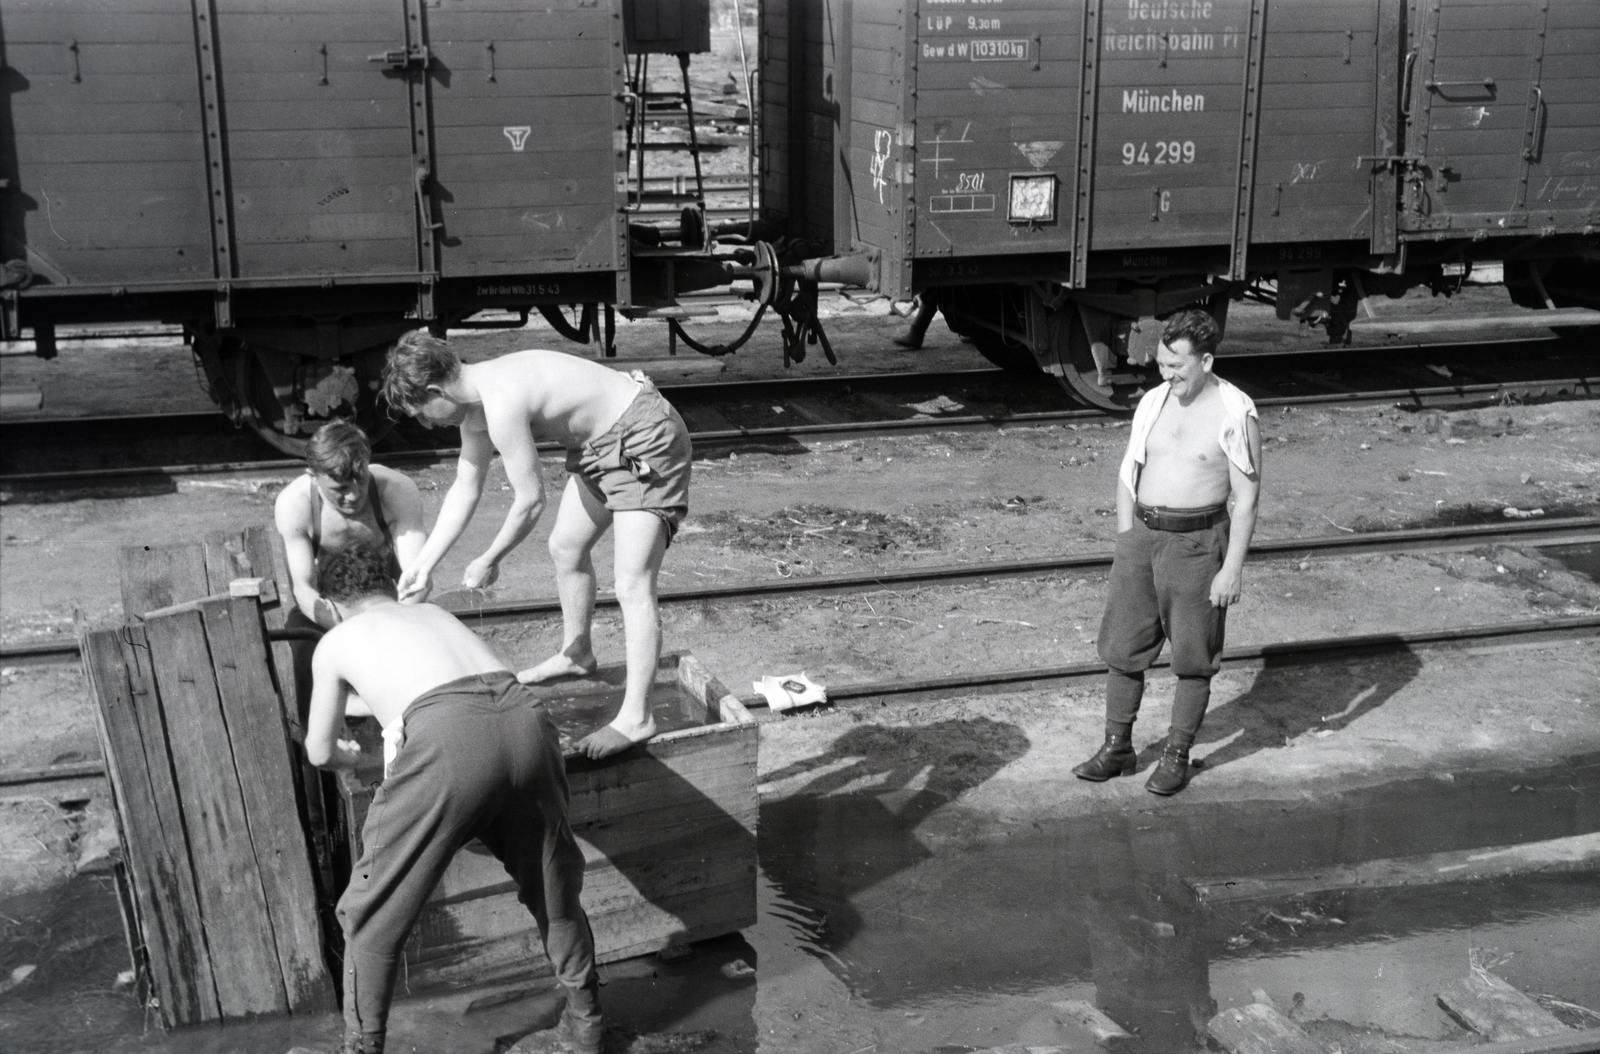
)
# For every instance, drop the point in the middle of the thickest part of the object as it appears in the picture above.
(1261, 1029)
(267, 773)
(1572, 1043)
(1576, 853)
(232, 900)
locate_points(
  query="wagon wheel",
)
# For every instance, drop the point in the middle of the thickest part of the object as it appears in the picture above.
(1072, 362)
(260, 408)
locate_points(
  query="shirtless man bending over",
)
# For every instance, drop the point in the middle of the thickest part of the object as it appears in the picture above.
(469, 753)
(628, 455)
(1178, 562)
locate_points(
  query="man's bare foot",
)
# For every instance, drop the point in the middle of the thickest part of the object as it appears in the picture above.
(559, 666)
(615, 738)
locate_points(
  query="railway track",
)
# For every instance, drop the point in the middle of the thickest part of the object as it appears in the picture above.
(1575, 530)
(47, 455)
(1307, 650)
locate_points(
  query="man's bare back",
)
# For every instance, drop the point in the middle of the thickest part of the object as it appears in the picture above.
(390, 653)
(1184, 466)
(559, 397)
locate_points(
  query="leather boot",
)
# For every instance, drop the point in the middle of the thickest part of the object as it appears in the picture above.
(1116, 757)
(1171, 773)
(582, 1028)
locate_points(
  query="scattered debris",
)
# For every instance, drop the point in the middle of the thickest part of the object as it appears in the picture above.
(1087, 1016)
(18, 976)
(1539, 726)
(674, 953)
(1511, 512)
(787, 691)
(737, 970)
(940, 405)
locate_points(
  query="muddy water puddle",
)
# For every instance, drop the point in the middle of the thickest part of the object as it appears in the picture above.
(968, 945)
(876, 933)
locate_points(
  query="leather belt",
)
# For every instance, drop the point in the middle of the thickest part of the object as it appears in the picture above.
(1181, 519)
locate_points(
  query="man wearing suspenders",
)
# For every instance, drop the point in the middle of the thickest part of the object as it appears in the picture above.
(343, 500)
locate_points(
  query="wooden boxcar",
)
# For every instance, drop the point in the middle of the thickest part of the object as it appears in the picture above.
(300, 182)
(1058, 175)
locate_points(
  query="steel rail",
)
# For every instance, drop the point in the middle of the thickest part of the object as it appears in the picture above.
(1573, 530)
(1313, 649)
(1405, 398)
(1573, 628)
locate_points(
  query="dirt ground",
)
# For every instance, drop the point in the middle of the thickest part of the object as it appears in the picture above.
(851, 505)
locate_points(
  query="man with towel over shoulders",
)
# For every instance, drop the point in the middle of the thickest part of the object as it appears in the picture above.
(1195, 444)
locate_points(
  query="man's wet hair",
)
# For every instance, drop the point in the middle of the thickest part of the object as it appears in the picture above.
(350, 574)
(416, 361)
(340, 451)
(1195, 326)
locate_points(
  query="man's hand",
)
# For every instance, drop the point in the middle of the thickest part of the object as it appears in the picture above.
(325, 614)
(346, 754)
(1226, 587)
(415, 584)
(481, 573)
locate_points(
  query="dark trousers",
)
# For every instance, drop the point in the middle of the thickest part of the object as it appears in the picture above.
(481, 759)
(1161, 591)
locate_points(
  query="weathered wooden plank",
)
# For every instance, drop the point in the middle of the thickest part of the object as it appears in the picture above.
(158, 576)
(1260, 1029)
(267, 772)
(1579, 852)
(233, 904)
(1586, 1042)
(152, 832)
(1491, 1007)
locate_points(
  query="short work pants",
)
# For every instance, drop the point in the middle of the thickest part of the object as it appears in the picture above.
(641, 463)
(1160, 590)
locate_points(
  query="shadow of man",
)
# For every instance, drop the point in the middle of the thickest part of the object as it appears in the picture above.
(852, 824)
(1292, 695)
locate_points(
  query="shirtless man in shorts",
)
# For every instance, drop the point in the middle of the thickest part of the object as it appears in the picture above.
(469, 753)
(628, 459)
(1178, 563)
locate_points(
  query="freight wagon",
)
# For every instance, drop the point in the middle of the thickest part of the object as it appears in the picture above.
(1059, 176)
(297, 183)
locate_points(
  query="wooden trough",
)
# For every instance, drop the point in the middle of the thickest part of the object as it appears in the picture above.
(668, 833)
(235, 850)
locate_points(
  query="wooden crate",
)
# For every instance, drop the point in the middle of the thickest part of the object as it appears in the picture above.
(668, 829)
(668, 832)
